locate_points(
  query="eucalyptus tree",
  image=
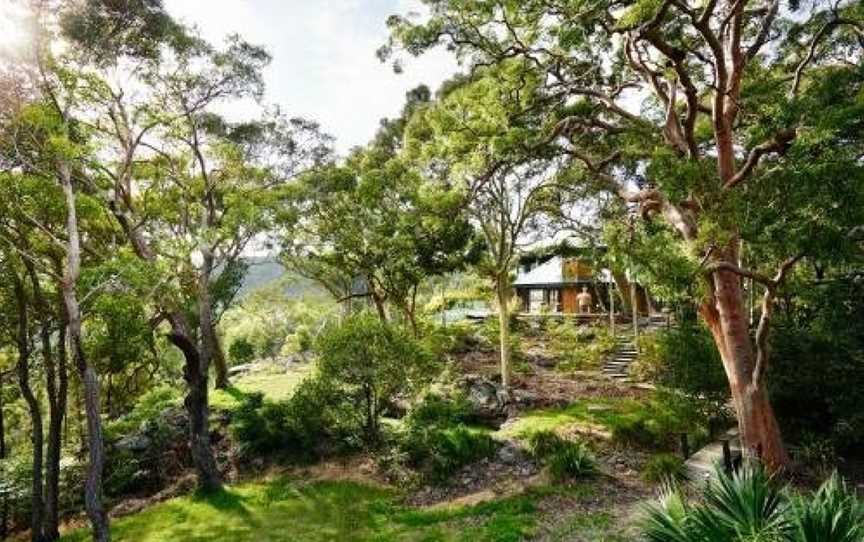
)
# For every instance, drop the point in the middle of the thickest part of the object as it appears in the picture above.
(378, 219)
(44, 155)
(482, 138)
(727, 120)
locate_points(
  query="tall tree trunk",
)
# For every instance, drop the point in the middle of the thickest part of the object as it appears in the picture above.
(623, 287)
(36, 435)
(4, 505)
(220, 364)
(182, 337)
(196, 405)
(725, 313)
(57, 386)
(209, 478)
(502, 289)
(93, 485)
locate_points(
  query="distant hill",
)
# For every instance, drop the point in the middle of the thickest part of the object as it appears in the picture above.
(264, 271)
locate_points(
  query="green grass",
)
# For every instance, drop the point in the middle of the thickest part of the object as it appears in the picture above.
(276, 386)
(645, 422)
(287, 510)
(594, 527)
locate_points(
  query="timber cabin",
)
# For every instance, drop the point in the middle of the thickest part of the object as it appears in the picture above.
(554, 286)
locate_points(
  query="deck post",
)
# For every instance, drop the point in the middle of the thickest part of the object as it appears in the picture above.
(611, 310)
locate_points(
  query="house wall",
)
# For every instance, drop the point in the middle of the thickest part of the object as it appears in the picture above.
(568, 300)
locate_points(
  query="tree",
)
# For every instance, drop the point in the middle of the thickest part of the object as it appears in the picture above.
(370, 362)
(480, 139)
(375, 219)
(732, 110)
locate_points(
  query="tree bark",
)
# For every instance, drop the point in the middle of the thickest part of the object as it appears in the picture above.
(725, 313)
(196, 405)
(55, 383)
(4, 505)
(503, 294)
(36, 435)
(220, 364)
(93, 485)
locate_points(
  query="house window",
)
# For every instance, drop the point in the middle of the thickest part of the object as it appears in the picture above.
(536, 300)
(554, 301)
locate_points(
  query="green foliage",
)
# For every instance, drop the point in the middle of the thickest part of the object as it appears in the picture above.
(573, 461)
(817, 365)
(241, 351)
(579, 347)
(565, 459)
(746, 505)
(286, 510)
(368, 363)
(685, 359)
(148, 409)
(438, 451)
(436, 409)
(832, 514)
(664, 468)
(750, 506)
(309, 424)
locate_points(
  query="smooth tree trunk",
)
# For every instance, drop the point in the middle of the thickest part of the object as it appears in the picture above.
(220, 363)
(183, 338)
(4, 505)
(502, 290)
(89, 379)
(57, 387)
(36, 433)
(726, 316)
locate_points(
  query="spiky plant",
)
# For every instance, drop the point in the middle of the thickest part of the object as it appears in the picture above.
(746, 506)
(832, 514)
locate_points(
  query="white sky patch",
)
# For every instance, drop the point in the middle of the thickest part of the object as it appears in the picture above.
(324, 66)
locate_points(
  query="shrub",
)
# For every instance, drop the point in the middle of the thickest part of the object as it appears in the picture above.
(572, 461)
(368, 362)
(565, 459)
(310, 424)
(749, 505)
(832, 514)
(664, 468)
(542, 444)
(816, 375)
(686, 360)
(148, 410)
(241, 351)
(746, 505)
(579, 347)
(435, 409)
(440, 451)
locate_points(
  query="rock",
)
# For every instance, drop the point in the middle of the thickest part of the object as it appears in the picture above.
(488, 401)
(509, 454)
(598, 408)
(134, 443)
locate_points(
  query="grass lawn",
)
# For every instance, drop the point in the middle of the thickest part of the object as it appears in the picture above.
(276, 386)
(288, 510)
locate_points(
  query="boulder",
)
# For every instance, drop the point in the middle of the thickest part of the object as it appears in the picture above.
(487, 400)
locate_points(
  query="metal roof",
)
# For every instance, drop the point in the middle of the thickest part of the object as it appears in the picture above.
(552, 273)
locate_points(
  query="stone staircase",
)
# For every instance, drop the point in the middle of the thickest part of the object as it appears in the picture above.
(617, 366)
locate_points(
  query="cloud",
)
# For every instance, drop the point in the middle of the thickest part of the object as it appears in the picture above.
(324, 65)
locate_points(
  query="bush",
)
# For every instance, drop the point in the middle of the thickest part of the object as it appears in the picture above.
(241, 351)
(664, 468)
(367, 363)
(686, 360)
(816, 378)
(435, 409)
(564, 458)
(310, 424)
(439, 451)
(572, 461)
(749, 505)
(579, 347)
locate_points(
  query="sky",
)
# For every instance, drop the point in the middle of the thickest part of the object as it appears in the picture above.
(324, 65)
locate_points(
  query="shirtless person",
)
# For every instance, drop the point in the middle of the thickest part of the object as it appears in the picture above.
(583, 299)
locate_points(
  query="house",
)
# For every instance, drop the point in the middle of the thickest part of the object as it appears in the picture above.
(554, 286)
